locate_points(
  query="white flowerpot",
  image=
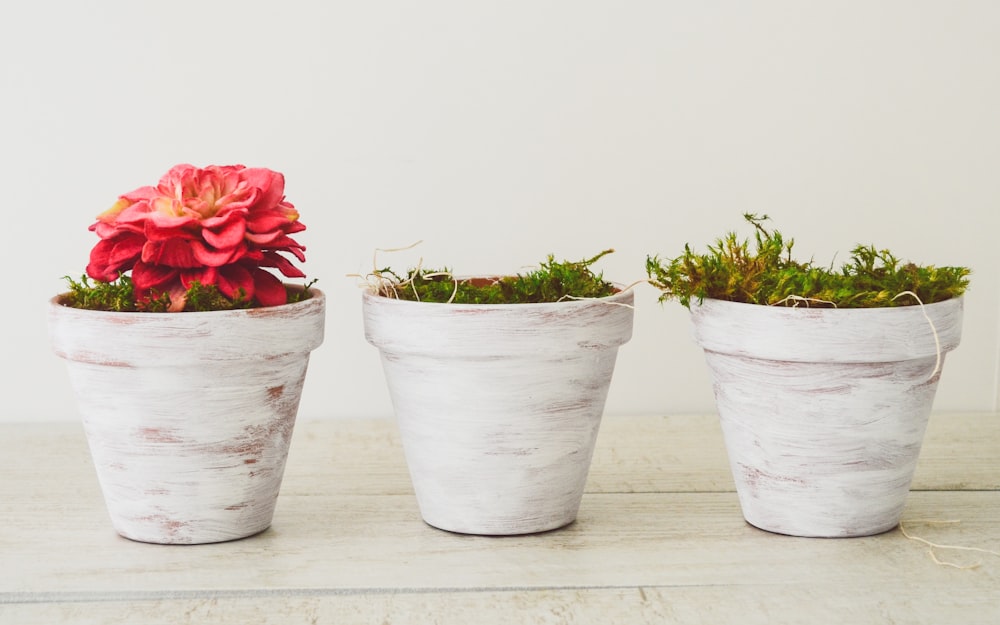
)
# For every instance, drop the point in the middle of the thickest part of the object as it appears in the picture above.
(189, 415)
(498, 405)
(823, 411)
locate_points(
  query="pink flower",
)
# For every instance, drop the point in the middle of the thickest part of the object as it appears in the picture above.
(221, 225)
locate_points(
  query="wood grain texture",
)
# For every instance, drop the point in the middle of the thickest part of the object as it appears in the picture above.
(189, 415)
(823, 410)
(368, 544)
(498, 406)
(689, 604)
(658, 540)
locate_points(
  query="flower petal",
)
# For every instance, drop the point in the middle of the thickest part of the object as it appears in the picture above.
(279, 262)
(211, 257)
(269, 221)
(125, 252)
(177, 253)
(269, 289)
(113, 256)
(146, 276)
(99, 267)
(233, 278)
(270, 183)
(265, 239)
(204, 277)
(227, 233)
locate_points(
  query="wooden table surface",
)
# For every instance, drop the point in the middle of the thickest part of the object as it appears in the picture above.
(659, 539)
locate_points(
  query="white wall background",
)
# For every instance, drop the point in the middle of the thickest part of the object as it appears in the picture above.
(500, 132)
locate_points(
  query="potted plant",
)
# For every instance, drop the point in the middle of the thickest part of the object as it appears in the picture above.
(824, 379)
(498, 385)
(187, 355)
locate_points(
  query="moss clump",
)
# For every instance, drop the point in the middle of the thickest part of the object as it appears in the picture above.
(551, 282)
(119, 296)
(768, 275)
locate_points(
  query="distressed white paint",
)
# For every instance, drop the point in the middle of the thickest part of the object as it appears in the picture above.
(189, 415)
(823, 410)
(498, 405)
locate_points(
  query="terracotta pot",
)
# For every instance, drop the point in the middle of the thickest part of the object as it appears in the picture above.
(823, 411)
(189, 415)
(498, 405)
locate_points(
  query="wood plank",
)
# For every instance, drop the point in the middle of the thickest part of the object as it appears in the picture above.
(660, 539)
(960, 452)
(354, 543)
(753, 604)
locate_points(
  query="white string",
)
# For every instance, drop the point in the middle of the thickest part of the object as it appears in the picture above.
(798, 299)
(377, 283)
(602, 299)
(937, 340)
(932, 546)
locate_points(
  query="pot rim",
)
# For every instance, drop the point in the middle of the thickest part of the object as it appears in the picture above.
(828, 334)
(56, 303)
(139, 338)
(817, 311)
(463, 330)
(622, 295)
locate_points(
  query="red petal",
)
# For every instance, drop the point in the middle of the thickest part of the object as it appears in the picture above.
(172, 253)
(114, 255)
(212, 257)
(282, 264)
(263, 239)
(252, 254)
(176, 174)
(270, 291)
(99, 268)
(146, 276)
(141, 194)
(269, 238)
(263, 222)
(126, 250)
(131, 217)
(205, 277)
(227, 233)
(160, 227)
(232, 278)
(290, 246)
(107, 231)
(270, 183)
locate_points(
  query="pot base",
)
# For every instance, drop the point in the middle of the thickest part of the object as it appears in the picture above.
(500, 530)
(814, 532)
(155, 538)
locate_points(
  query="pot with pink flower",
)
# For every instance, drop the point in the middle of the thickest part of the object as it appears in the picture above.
(188, 353)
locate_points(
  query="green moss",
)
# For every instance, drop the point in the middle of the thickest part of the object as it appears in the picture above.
(767, 274)
(119, 296)
(551, 282)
